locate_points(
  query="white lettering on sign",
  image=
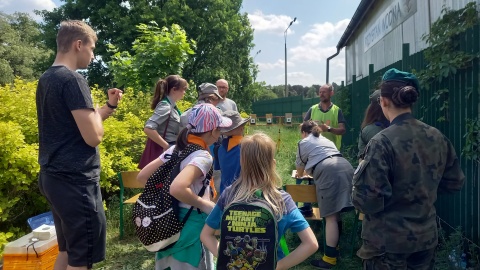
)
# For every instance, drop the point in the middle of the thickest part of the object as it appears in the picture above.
(395, 14)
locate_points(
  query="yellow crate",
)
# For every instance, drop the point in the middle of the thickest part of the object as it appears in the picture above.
(44, 261)
(20, 254)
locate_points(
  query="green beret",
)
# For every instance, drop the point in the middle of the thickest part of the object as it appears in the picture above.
(394, 74)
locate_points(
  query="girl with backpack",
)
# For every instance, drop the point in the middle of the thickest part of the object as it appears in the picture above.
(258, 173)
(203, 129)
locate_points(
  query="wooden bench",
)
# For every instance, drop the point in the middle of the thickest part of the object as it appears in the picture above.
(305, 194)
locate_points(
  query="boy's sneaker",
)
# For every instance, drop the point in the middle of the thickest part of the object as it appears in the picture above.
(321, 264)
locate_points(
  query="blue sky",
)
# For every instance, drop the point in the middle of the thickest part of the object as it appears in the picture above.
(310, 40)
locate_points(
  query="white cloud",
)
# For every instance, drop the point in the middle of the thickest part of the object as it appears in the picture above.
(280, 63)
(319, 42)
(270, 23)
(27, 6)
(298, 78)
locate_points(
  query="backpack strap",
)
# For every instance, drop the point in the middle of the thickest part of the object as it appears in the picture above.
(206, 182)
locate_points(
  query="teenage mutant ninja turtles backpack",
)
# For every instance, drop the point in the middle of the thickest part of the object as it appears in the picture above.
(248, 236)
(155, 214)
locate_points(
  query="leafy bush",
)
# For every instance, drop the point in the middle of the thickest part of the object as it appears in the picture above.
(120, 150)
(18, 159)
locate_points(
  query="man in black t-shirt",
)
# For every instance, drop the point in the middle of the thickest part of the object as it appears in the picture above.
(70, 130)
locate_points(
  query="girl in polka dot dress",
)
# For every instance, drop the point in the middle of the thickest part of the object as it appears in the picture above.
(203, 129)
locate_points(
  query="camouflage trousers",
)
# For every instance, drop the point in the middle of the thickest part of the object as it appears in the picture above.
(422, 260)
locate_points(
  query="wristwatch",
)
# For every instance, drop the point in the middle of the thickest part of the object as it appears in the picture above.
(329, 129)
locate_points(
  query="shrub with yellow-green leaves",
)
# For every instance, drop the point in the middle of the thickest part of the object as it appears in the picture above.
(120, 150)
(19, 194)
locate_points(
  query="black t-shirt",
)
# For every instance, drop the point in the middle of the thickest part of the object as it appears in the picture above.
(62, 149)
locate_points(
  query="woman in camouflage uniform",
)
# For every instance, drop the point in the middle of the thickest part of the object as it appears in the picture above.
(396, 184)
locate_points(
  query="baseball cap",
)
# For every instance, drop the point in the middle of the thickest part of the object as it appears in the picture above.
(208, 88)
(205, 117)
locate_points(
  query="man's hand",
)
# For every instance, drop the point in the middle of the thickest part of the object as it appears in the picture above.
(114, 96)
(324, 127)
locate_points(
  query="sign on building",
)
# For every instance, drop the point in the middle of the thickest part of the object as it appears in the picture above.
(395, 14)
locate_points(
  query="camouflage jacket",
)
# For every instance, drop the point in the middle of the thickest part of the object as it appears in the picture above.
(396, 186)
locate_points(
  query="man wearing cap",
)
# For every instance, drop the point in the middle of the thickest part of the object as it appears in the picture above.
(373, 122)
(227, 157)
(208, 94)
(225, 104)
(328, 116)
(397, 182)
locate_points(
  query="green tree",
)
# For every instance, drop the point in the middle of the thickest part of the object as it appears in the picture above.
(279, 90)
(223, 35)
(20, 48)
(157, 53)
(262, 92)
(312, 91)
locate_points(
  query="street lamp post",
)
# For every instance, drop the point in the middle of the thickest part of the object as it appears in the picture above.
(285, 35)
(259, 51)
(255, 77)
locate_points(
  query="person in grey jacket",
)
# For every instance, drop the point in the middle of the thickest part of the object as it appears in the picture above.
(208, 93)
(225, 104)
(163, 127)
(319, 157)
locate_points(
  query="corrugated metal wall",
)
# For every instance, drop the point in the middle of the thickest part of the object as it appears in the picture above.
(389, 49)
(461, 209)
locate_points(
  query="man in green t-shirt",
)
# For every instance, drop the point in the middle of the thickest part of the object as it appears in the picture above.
(328, 115)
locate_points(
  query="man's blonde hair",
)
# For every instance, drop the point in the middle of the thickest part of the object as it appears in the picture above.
(71, 31)
(257, 158)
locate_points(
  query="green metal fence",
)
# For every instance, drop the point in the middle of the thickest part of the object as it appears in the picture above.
(461, 209)
(296, 105)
